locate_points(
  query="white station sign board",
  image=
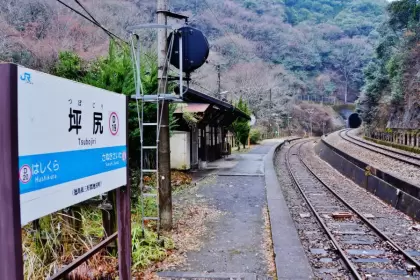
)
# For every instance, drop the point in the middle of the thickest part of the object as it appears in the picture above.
(72, 143)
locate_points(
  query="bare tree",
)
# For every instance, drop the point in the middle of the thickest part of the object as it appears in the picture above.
(348, 58)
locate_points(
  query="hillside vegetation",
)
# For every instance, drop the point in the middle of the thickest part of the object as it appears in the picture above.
(391, 95)
(291, 47)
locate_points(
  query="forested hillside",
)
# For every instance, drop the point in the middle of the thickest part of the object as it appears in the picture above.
(391, 95)
(323, 45)
(291, 47)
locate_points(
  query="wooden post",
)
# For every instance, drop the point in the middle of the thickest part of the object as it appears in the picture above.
(11, 264)
(124, 222)
(164, 167)
(124, 231)
(109, 219)
(205, 151)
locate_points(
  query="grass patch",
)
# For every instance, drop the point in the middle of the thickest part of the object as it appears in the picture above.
(56, 243)
(235, 252)
(268, 246)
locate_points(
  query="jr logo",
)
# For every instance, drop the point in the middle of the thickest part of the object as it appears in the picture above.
(26, 77)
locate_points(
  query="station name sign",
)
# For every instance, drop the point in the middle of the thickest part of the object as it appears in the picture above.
(72, 142)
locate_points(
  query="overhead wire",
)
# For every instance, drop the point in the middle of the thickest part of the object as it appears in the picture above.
(112, 35)
(93, 21)
(98, 24)
(200, 86)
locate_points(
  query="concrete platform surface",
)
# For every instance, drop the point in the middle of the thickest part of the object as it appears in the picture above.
(290, 257)
(240, 187)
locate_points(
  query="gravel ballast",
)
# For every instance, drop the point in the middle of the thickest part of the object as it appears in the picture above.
(394, 167)
(398, 226)
(357, 133)
(314, 240)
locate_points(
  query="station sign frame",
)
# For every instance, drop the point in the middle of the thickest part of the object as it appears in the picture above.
(61, 143)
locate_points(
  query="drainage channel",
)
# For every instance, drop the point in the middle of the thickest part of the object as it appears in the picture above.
(365, 250)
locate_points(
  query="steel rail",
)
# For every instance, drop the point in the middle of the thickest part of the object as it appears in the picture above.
(364, 219)
(382, 147)
(376, 151)
(350, 265)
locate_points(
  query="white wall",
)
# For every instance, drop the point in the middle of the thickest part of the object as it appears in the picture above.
(180, 150)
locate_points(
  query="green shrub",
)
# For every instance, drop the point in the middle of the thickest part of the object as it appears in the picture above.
(240, 126)
(255, 136)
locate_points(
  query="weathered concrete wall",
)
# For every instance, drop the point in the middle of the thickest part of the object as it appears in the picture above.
(180, 150)
(405, 137)
(365, 177)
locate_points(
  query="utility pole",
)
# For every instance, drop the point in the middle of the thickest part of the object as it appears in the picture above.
(219, 87)
(164, 168)
(271, 110)
(311, 111)
(311, 123)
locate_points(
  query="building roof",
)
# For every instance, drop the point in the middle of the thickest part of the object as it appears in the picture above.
(191, 107)
(193, 96)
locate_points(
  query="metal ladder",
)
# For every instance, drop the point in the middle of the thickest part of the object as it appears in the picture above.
(154, 99)
(143, 99)
(145, 171)
(151, 99)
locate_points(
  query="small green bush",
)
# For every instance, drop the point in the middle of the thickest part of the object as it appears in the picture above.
(255, 136)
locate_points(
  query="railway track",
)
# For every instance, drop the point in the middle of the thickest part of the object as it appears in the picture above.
(402, 157)
(366, 251)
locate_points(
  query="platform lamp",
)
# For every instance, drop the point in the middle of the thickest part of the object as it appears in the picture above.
(223, 95)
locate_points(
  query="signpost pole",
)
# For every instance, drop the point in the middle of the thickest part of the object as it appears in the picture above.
(165, 190)
(124, 220)
(11, 264)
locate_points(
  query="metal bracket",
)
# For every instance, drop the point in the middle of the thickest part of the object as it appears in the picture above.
(148, 25)
(174, 78)
(172, 14)
(160, 97)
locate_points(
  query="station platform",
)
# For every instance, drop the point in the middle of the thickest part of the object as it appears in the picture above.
(243, 186)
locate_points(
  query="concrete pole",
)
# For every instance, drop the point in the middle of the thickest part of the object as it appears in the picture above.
(164, 168)
(311, 111)
(311, 125)
(219, 87)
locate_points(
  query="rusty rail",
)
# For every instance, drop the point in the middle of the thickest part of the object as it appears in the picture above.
(375, 229)
(348, 263)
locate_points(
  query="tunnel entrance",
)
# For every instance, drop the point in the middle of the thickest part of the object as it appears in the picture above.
(354, 121)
